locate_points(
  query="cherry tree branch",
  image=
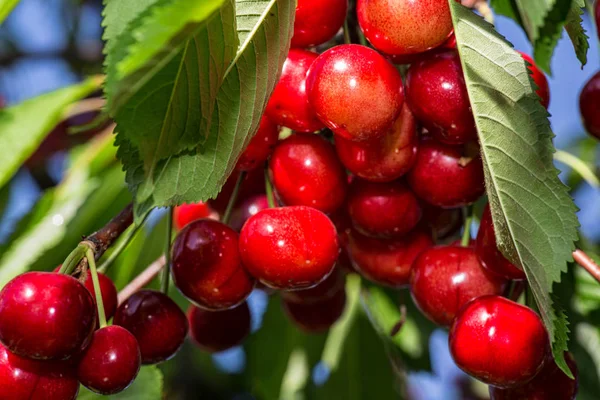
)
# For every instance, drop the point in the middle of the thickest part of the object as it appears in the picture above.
(105, 236)
(142, 279)
(587, 263)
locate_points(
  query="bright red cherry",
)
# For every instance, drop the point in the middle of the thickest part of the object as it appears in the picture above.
(26, 379)
(107, 290)
(111, 362)
(206, 265)
(445, 278)
(186, 213)
(252, 184)
(498, 341)
(316, 317)
(589, 104)
(215, 331)
(306, 172)
(157, 323)
(260, 147)
(289, 247)
(44, 315)
(355, 91)
(317, 21)
(540, 80)
(248, 208)
(445, 176)
(384, 159)
(323, 291)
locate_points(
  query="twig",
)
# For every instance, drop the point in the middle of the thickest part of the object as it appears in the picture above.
(142, 279)
(587, 263)
(105, 236)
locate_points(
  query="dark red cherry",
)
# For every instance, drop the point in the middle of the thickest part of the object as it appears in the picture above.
(289, 247)
(44, 315)
(317, 21)
(215, 331)
(206, 265)
(111, 362)
(248, 208)
(157, 323)
(540, 80)
(386, 261)
(323, 291)
(589, 104)
(186, 213)
(384, 159)
(108, 291)
(488, 252)
(252, 184)
(355, 91)
(306, 172)
(437, 95)
(442, 222)
(316, 317)
(26, 379)
(444, 278)
(498, 341)
(260, 147)
(288, 105)
(446, 176)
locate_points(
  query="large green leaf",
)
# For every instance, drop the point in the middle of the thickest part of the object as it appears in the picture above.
(533, 214)
(147, 386)
(6, 6)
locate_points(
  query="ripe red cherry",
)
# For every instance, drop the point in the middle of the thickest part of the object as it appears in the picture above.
(488, 252)
(157, 323)
(498, 341)
(445, 278)
(186, 213)
(355, 91)
(206, 265)
(445, 176)
(384, 159)
(323, 291)
(449, 44)
(289, 247)
(252, 184)
(247, 209)
(589, 104)
(540, 80)
(26, 379)
(44, 315)
(107, 290)
(306, 172)
(404, 27)
(111, 362)
(386, 261)
(215, 331)
(260, 147)
(316, 317)
(317, 21)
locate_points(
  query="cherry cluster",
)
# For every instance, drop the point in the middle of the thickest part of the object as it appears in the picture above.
(589, 99)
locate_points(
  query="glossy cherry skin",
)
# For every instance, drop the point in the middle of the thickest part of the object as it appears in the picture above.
(444, 278)
(215, 331)
(488, 252)
(305, 171)
(316, 317)
(319, 293)
(317, 21)
(26, 379)
(186, 213)
(355, 91)
(45, 316)
(207, 268)
(252, 184)
(498, 341)
(108, 292)
(260, 146)
(543, 90)
(289, 247)
(157, 323)
(111, 362)
(589, 104)
(446, 176)
(384, 159)
(248, 208)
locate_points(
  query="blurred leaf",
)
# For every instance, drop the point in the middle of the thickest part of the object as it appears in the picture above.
(6, 6)
(147, 386)
(577, 34)
(587, 356)
(508, 8)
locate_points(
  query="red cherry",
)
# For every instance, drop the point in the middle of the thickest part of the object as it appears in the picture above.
(404, 27)
(384, 159)
(247, 209)
(323, 291)
(108, 292)
(157, 323)
(444, 176)
(215, 331)
(589, 104)
(289, 247)
(260, 147)
(206, 265)
(306, 172)
(498, 341)
(186, 213)
(316, 317)
(442, 222)
(111, 362)
(449, 44)
(540, 80)
(355, 91)
(317, 21)
(25, 379)
(445, 278)
(44, 315)
(253, 184)
(388, 261)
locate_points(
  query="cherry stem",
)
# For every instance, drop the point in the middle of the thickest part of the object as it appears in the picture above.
(164, 284)
(142, 279)
(347, 39)
(233, 197)
(97, 292)
(466, 236)
(74, 258)
(587, 263)
(269, 191)
(122, 245)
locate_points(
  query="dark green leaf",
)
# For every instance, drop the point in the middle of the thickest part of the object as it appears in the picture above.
(508, 8)
(147, 386)
(574, 27)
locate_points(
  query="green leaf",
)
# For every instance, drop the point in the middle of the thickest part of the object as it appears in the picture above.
(148, 386)
(6, 6)
(574, 27)
(24, 126)
(508, 8)
(533, 214)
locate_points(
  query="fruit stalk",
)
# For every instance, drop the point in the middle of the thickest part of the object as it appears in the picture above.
(142, 279)
(233, 198)
(466, 237)
(97, 292)
(587, 263)
(164, 284)
(269, 190)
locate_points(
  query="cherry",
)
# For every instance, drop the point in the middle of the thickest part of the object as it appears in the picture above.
(252, 184)
(215, 331)
(111, 362)
(404, 27)
(186, 213)
(316, 317)
(498, 341)
(386, 261)
(260, 147)
(342, 85)
(384, 159)
(449, 44)
(442, 222)
(445, 176)
(319, 293)
(317, 21)
(445, 278)
(543, 90)
(26, 379)
(488, 252)
(306, 172)
(248, 208)
(108, 292)
(44, 315)
(206, 265)
(157, 323)
(589, 104)
(289, 247)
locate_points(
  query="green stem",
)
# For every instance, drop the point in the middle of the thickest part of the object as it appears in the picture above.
(347, 39)
(233, 198)
(466, 237)
(579, 166)
(97, 292)
(106, 264)
(269, 191)
(73, 259)
(164, 285)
